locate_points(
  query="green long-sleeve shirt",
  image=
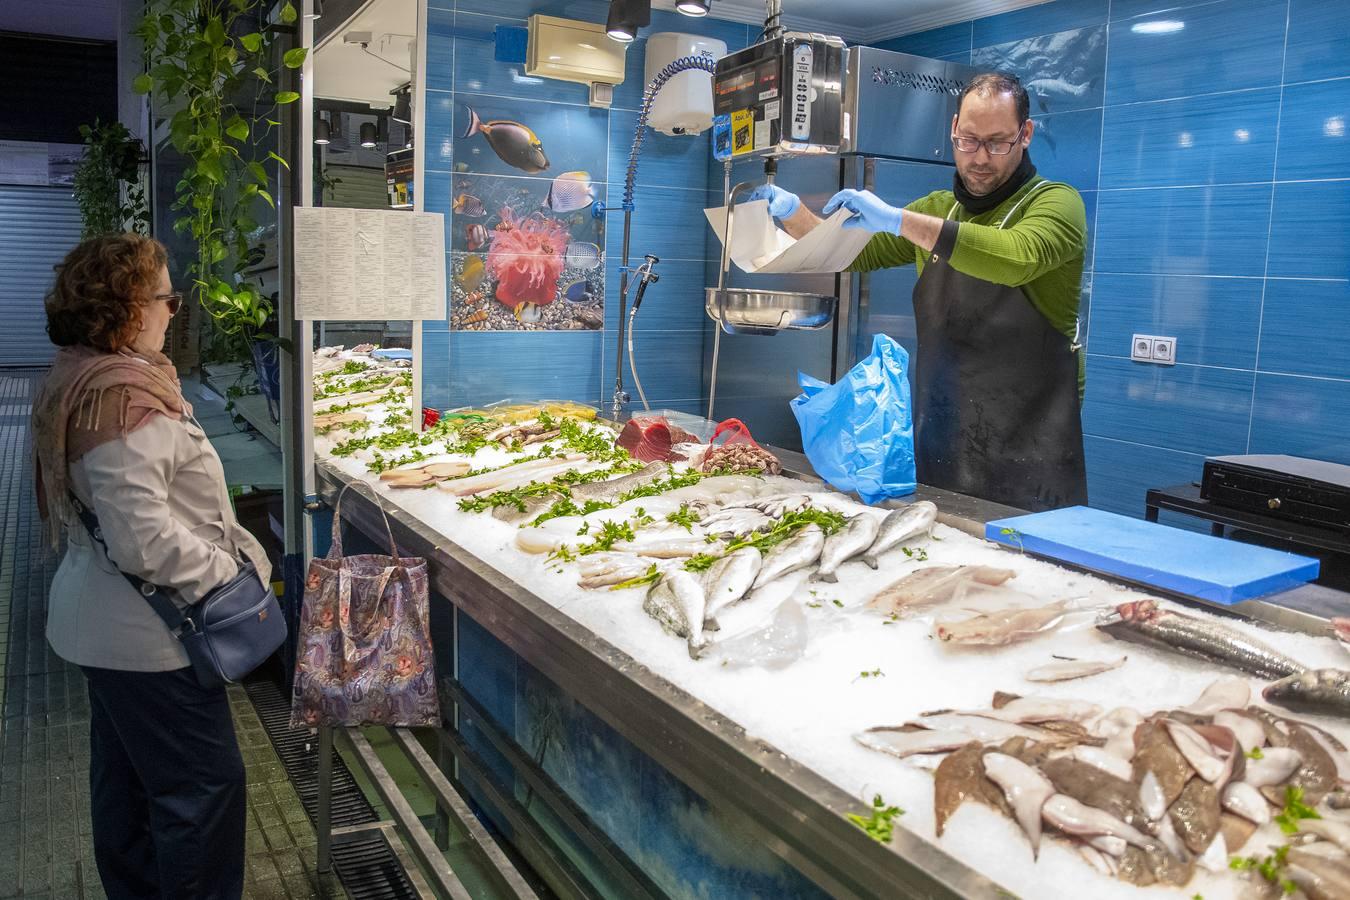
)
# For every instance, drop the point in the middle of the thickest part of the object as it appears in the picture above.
(1040, 250)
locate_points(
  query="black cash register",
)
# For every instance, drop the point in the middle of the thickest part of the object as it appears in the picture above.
(1308, 491)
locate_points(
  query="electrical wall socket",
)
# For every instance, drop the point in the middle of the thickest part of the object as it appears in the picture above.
(1150, 348)
(1165, 350)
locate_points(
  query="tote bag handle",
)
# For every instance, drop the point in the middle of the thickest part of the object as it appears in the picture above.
(335, 549)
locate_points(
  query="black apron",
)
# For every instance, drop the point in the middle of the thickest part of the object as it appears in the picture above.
(996, 406)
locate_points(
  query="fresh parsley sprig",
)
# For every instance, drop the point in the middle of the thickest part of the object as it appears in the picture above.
(880, 825)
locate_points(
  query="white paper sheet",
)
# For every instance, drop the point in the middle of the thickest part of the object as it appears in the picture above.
(369, 264)
(759, 245)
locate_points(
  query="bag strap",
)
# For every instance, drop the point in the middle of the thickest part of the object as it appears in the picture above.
(178, 622)
(735, 426)
(335, 550)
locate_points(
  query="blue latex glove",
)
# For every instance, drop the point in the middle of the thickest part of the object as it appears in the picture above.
(782, 204)
(869, 211)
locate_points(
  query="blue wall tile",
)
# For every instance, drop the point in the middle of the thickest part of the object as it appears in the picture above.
(490, 366)
(1190, 408)
(1044, 18)
(436, 195)
(1224, 46)
(440, 50)
(1308, 237)
(1215, 320)
(667, 222)
(439, 126)
(1067, 146)
(1120, 472)
(670, 363)
(1184, 231)
(1307, 417)
(1315, 130)
(1304, 326)
(571, 137)
(675, 303)
(1200, 140)
(1319, 32)
(666, 160)
(952, 39)
(1061, 72)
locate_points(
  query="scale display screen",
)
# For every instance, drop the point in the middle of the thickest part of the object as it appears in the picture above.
(780, 96)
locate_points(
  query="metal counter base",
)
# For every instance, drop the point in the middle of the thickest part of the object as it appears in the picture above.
(799, 815)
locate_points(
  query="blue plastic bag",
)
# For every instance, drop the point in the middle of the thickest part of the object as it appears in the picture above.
(859, 432)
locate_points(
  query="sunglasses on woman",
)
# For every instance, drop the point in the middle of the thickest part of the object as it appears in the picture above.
(174, 301)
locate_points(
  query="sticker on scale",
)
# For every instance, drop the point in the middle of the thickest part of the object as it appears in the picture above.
(802, 64)
(767, 128)
(742, 132)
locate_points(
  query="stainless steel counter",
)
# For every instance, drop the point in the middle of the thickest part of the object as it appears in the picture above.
(800, 815)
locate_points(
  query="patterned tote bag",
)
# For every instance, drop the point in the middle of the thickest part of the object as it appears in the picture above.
(364, 653)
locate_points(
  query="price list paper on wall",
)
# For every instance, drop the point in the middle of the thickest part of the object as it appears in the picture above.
(361, 264)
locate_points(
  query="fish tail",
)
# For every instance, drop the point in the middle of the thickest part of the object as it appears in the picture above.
(870, 561)
(827, 577)
(475, 123)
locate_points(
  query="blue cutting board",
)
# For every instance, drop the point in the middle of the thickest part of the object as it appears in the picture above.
(1169, 559)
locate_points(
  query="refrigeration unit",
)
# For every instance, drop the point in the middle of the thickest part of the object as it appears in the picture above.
(816, 116)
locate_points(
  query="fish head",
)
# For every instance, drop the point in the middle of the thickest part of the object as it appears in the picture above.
(1138, 610)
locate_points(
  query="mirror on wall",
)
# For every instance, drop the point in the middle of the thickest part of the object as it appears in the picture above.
(363, 130)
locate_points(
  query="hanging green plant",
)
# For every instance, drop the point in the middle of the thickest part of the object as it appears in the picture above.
(216, 65)
(108, 185)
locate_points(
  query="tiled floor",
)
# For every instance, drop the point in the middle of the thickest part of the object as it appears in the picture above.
(45, 849)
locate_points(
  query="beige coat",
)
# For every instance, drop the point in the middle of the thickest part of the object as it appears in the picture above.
(164, 508)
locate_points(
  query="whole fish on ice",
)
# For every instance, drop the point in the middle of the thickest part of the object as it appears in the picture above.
(851, 540)
(1026, 790)
(729, 579)
(902, 743)
(678, 604)
(1324, 691)
(1002, 626)
(932, 586)
(901, 525)
(611, 490)
(1144, 622)
(1073, 668)
(797, 552)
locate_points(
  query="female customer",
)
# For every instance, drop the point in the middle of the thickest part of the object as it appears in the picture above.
(112, 428)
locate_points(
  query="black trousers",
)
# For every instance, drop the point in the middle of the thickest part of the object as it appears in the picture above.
(166, 785)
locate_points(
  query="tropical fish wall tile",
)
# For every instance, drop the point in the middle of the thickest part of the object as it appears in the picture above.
(527, 253)
(503, 136)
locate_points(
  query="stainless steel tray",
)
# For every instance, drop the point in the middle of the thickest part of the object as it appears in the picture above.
(751, 311)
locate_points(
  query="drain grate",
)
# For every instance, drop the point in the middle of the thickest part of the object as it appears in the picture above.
(366, 864)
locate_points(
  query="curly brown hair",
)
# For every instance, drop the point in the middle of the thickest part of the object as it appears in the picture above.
(100, 288)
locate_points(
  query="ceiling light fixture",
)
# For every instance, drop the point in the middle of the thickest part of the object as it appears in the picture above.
(368, 135)
(322, 135)
(626, 17)
(695, 8)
